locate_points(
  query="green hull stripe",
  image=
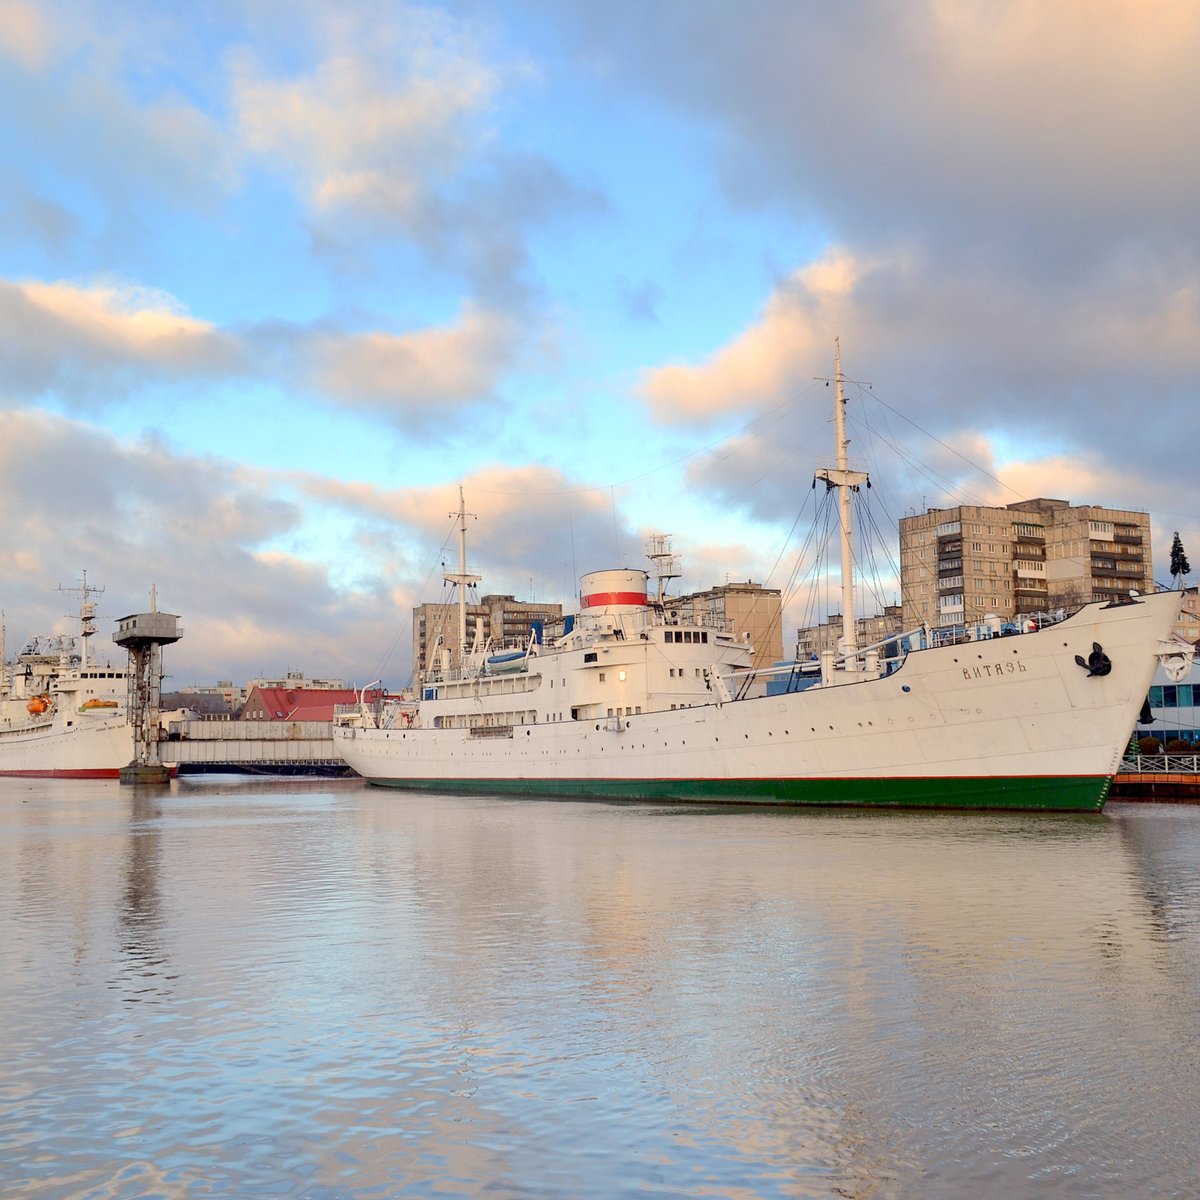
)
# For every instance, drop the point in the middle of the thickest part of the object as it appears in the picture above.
(1051, 793)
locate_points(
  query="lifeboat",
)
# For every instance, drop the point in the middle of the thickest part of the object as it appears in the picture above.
(502, 664)
(96, 705)
(38, 705)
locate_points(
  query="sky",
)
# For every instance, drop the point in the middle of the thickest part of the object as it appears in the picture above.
(277, 279)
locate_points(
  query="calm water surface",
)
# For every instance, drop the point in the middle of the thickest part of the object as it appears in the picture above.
(246, 989)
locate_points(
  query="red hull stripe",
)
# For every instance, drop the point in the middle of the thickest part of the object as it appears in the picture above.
(82, 773)
(599, 598)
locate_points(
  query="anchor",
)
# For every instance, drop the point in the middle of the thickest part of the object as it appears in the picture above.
(1096, 663)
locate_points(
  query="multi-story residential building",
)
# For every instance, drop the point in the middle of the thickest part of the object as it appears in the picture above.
(500, 618)
(1188, 625)
(959, 564)
(813, 640)
(747, 610)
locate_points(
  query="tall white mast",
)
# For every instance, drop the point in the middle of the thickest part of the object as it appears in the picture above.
(461, 577)
(845, 481)
(87, 615)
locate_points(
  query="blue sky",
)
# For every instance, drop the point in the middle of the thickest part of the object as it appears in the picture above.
(275, 279)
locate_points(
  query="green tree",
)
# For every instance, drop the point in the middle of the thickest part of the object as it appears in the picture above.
(1180, 567)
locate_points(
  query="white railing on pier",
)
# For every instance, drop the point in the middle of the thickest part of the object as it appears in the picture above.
(1160, 764)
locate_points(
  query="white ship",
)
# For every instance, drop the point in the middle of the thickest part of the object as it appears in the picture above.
(630, 703)
(62, 714)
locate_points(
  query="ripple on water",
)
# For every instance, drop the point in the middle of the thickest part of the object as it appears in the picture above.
(341, 992)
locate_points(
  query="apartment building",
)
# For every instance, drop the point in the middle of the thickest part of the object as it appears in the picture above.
(958, 564)
(813, 640)
(1188, 625)
(747, 610)
(503, 619)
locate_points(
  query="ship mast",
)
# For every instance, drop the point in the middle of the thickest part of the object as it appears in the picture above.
(846, 481)
(665, 560)
(87, 615)
(461, 576)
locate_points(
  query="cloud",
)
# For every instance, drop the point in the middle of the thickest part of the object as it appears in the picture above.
(92, 344)
(390, 134)
(417, 378)
(358, 132)
(204, 531)
(760, 365)
(1018, 132)
(25, 35)
(527, 524)
(33, 218)
(84, 132)
(958, 353)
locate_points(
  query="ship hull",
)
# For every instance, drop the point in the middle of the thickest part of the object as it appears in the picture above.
(1006, 723)
(94, 751)
(1040, 793)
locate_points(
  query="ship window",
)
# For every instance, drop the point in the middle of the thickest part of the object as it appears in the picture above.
(601, 676)
(704, 638)
(587, 658)
(621, 676)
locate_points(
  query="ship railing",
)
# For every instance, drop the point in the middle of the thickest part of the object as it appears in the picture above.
(1160, 764)
(900, 645)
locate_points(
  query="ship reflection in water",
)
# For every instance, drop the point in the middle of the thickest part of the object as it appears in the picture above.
(323, 990)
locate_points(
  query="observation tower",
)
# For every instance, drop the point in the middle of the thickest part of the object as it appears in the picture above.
(144, 635)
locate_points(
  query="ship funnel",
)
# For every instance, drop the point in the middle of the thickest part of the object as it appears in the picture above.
(611, 593)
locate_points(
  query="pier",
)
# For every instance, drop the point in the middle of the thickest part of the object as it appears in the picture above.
(1160, 778)
(252, 747)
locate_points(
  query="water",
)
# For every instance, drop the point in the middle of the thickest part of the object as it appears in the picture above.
(246, 989)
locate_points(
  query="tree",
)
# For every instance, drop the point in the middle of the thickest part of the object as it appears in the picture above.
(1180, 567)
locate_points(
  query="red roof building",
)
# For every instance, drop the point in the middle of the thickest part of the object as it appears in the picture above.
(299, 704)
